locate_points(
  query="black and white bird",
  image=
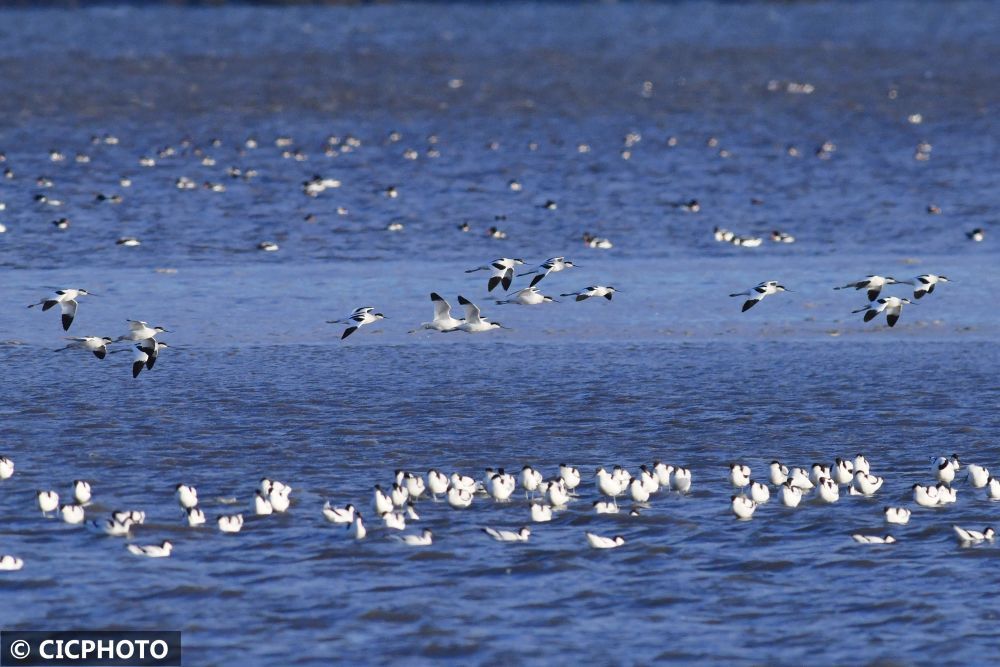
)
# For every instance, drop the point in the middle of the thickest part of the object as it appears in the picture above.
(758, 292)
(81, 491)
(743, 507)
(739, 475)
(113, 527)
(968, 537)
(357, 529)
(140, 331)
(437, 483)
(339, 514)
(425, 539)
(66, 299)
(551, 265)
(501, 272)
(541, 513)
(892, 305)
(232, 523)
(873, 539)
(72, 514)
(791, 495)
(529, 296)
(187, 496)
(161, 550)
(979, 476)
(873, 284)
(359, 318)
(146, 354)
(592, 241)
(594, 291)
(521, 535)
(977, 235)
(98, 345)
(48, 501)
(10, 563)
(474, 321)
(897, 515)
(943, 468)
(6, 468)
(925, 283)
(598, 542)
(443, 321)
(778, 473)
(195, 516)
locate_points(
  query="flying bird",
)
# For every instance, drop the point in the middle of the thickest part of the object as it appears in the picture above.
(474, 321)
(501, 272)
(551, 265)
(443, 321)
(593, 291)
(96, 344)
(66, 299)
(529, 296)
(892, 305)
(359, 318)
(146, 353)
(873, 284)
(757, 293)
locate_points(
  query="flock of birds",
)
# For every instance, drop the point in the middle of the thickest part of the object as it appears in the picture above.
(395, 505)
(502, 274)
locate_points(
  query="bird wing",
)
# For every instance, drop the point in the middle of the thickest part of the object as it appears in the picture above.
(472, 312)
(442, 309)
(137, 325)
(68, 313)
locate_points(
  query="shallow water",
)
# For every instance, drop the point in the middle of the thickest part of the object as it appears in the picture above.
(257, 384)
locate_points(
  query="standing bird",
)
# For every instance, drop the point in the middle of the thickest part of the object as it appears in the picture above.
(96, 344)
(758, 292)
(593, 291)
(474, 321)
(873, 284)
(892, 305)
(359, 318)
(66, 300)
(443, 321)
(529, 296)
(501, 272)
(551, 265)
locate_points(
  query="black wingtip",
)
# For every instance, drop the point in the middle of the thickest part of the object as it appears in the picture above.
(747, 305)
(436, 297)
(537, 279)
(348, 331)
(462, 300)
(892, 319)
(491, 285)
(67, 320)
(137, 368)
(579, 297)
(870, 315)
(507, 280)
(608, 296)
(101, 353)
